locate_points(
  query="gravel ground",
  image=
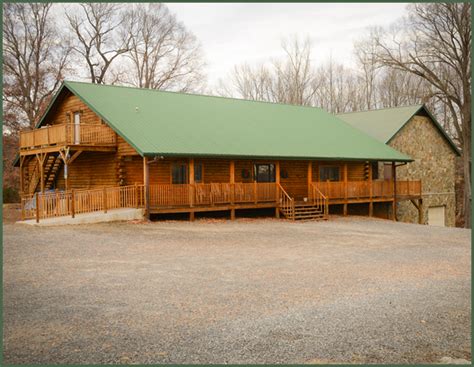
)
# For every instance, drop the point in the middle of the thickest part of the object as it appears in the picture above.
(251, 291)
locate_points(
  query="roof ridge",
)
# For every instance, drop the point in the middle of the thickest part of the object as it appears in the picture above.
(195, 94)
(381, 109)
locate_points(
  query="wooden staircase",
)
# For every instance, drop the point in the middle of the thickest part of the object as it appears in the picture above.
(315, 208)
(304, 211)
(51, 168)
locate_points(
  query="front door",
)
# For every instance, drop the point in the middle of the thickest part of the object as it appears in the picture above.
(77, 128)
(264, 172)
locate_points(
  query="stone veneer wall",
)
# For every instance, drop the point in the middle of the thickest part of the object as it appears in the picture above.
(434, 164)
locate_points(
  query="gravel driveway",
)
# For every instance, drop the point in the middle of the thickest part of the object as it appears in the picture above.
(250, 291)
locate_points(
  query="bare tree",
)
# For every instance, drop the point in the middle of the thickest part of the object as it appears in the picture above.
(435, 44)
(163, 53)
(295, 73)
(249, 83)
(35, 57)
(100, 36)
(287, 80)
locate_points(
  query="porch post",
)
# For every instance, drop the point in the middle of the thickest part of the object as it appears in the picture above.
(345, 188)
(371, 202)
(232, 188)
(191, 187)
(41, 157)
(22, 159)
(64, 156)
(420, 212)
(394, 203)
(146, 187)
(310, 177)
(277, 189)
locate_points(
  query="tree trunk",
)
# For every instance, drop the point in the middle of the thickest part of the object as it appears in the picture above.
(466, 158)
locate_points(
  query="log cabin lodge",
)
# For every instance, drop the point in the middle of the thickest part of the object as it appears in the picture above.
(99, 148)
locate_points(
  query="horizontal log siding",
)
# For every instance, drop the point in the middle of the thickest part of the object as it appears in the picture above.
(90, 170)
(215, 170)
(69, 103)
(241, 165)
(355, 170)
(123, 148)
(296, 184)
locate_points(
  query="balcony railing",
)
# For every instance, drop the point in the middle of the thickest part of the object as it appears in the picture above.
(67, 134)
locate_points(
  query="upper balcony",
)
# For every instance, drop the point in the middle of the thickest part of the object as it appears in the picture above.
(92, 136)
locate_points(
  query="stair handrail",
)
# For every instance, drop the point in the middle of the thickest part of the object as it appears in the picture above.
(320, 200)
(286, 202)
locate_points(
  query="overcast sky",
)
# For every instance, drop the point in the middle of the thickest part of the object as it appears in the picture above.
(236, 33)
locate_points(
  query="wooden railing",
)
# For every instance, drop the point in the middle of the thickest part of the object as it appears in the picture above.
(287, 203)
(67, 134)
(172, 195)
(367, 190)
(408, 188)
(319, 200)
(64, 203)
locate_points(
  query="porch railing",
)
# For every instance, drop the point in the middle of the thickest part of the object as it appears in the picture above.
(408, 188)
(319, 199)
(67, 134)
(64, 203)
(287, 203)
(170, 195)
(367, 190)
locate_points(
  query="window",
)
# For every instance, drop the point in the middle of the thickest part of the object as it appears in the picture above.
(387, 172)
(375, 170)
(329, 173)
(198, 172)
(179, 173)
(265, 172)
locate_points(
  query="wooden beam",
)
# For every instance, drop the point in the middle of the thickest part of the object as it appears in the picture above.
(146, 185)
(50, 149)
(191, 183)
(75, 155)
(394, 178)
(421, 219)
(41, 157)
(232, 181)
(371, 203)
(345, 188)
(277, 191)
(64, 153)
(232, 187)
(22, 160)
(309, 176)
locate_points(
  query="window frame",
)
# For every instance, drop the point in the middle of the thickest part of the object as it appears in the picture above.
(321, 168)
(271, 172)
(186, 165)
(186, 173)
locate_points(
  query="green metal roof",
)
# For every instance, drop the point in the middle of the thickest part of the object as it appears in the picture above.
(176, 124)
(384, 124)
